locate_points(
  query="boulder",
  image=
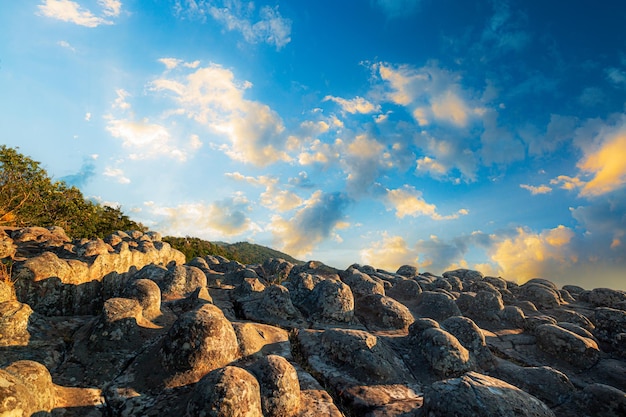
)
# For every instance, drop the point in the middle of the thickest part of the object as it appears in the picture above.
(603, 297)
(7, 246)
(404, 290)
(197, 343)
(382, 313)
(572, 348)
(474, 395)
(599, 400)
(261, 339)
(542, 296)
(330, 301)
(443, 352)
(26, 389)
(226, 392)
(276, 270)
(436, 305)
(148, 294)
(362, 284)
(14, 321)
(280, 388)
(547, 384)
(471, 338)
(408, 271)
(465, 275)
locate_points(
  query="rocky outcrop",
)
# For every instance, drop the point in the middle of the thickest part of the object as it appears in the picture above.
(122, 326)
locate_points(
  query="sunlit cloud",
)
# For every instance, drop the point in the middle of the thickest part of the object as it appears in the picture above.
(213, 98)
(69, 11)
(536, 189)
(220, 219)
(529, 255)
(273, 197)
(355, 105)
(389, 253)
(117, 174)
(145, 140)
(606, 165)
(315, 222)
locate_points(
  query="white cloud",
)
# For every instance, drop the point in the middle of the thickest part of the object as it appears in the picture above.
(273, 197)
(389, 253)
(262, 25)
(315, 222)
(356, 105)
(145, 140)
(534, 190)
(66, 45)
(87, 116)
(218, 220)
(120, 102)
(70, 11)
(170, 63)
(117, 174)
(111, 7)
(213, 97)
(407, 201)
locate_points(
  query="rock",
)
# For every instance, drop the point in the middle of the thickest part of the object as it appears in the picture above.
(572, 348)
(470, 336)
(465, 275)
(474, 394)
(14, 322)
(226, 392)
(571, 316)
(148, 294)
(610, 325)
(197, 343)
(259, 339)
(330, 301)
(26, 389)
(273, 306)
(7, 291)
(182, 280)
(436, 305)
(574, 290)
(513, 315)
(404, 290)
(94, 248)
(280, 388)
(250, 287)
(599, 400)
(356, 353)
(445, 355)
(542, 296)
(383, 313)
(276, 270)
(603, 297)
(52, 236)
(7, 246)
(408, 271)
(362, 284)
(547, 384)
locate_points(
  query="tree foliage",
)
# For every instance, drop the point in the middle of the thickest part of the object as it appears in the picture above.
(244, 252)
(29, 197)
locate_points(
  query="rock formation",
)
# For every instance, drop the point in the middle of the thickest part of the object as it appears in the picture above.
(122, 326)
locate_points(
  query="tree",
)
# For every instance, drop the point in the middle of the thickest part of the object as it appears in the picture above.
(29, 197)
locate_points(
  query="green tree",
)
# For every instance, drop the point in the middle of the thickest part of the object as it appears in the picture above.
(29, 197)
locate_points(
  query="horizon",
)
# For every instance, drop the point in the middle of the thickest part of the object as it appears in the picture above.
(483, 135)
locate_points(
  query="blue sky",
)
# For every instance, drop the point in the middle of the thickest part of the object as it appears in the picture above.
(488, 135)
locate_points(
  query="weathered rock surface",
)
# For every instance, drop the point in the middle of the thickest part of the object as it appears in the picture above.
(474, 394)
(122, 326)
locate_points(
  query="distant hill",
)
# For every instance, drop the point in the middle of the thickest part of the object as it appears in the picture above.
(244, 252)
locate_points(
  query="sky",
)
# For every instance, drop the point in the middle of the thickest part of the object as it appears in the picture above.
(488, 135)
